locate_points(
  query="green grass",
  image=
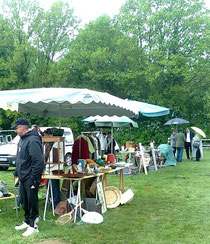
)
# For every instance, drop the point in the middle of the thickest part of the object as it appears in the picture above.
(171, 205)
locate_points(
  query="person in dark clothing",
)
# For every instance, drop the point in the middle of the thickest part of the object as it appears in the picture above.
(29, 168)
(188, 142)
(180, 140)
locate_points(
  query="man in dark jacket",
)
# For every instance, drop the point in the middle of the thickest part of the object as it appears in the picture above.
(180, 140)
(188, 140)
(29, 168)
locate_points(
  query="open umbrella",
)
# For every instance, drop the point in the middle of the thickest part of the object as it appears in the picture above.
(148, 111)
(110, 121)
(52, 102)
(199, 131)
(176, 121)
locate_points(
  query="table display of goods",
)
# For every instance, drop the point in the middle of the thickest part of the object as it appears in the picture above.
(85, 167)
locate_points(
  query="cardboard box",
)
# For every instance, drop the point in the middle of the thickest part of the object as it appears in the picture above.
(129, 144)
(131, 149)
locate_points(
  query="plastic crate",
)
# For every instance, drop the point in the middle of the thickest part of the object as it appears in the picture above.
(91, 204)
(128, 171)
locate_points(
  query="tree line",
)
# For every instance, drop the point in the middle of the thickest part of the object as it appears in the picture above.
(153, 51)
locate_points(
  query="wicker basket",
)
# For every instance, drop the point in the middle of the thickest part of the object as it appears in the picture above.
(112, 196)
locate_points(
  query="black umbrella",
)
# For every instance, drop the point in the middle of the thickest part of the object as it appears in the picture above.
(176, 121)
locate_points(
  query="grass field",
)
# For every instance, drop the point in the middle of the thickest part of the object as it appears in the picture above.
(171, 205)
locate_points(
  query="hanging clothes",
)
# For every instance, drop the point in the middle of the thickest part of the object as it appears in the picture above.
(102, 142)
(102, 138)
(110, 146)
(90, 145)
(80, 150)
(94, 141)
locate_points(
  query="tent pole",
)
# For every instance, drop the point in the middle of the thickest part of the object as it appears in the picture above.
(59, 121)
(129, 132)
(112, 139)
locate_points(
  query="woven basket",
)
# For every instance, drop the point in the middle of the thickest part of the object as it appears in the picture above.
(112, 196)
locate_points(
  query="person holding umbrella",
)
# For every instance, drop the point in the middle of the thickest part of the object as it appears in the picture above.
(197, 150)
(180, 140)
(188, 139)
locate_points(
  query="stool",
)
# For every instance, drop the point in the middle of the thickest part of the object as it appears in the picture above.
(12, 196)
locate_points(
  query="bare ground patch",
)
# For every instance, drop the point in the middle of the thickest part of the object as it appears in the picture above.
(50, 241)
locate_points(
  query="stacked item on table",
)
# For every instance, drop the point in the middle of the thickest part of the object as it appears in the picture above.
(85, 167)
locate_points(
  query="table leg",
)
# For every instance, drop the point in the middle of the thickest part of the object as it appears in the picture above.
(83, 188)
(122, 184)
(16, 207)
(144, 165)
(78, 200)
(105, 182)
(71, 191)
(154, 157)
(47, 196)
(49, 189)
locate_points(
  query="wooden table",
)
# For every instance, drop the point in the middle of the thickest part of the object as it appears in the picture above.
(121, 182)
(71, 192)
(79, 180)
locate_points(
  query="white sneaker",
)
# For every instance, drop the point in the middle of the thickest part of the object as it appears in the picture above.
(36, 222)
(30, 231)
(22, 226)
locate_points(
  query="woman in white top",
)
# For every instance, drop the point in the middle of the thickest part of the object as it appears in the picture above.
(102, 138)
(197, 150)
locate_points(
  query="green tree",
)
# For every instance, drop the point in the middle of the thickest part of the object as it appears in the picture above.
(174, 36)
(7, 76)
(21, 14)
(104, 59)
(53, 30)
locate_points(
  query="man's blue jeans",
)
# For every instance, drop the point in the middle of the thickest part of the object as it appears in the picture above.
(179, 154)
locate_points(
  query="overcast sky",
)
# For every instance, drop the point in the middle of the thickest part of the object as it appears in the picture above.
(88, 10)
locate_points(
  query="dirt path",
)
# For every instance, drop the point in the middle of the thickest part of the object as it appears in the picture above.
(50, 241)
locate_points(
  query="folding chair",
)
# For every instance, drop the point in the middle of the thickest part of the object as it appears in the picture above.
(12, 196)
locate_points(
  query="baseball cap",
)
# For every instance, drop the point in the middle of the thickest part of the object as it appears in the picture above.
(20, 121)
